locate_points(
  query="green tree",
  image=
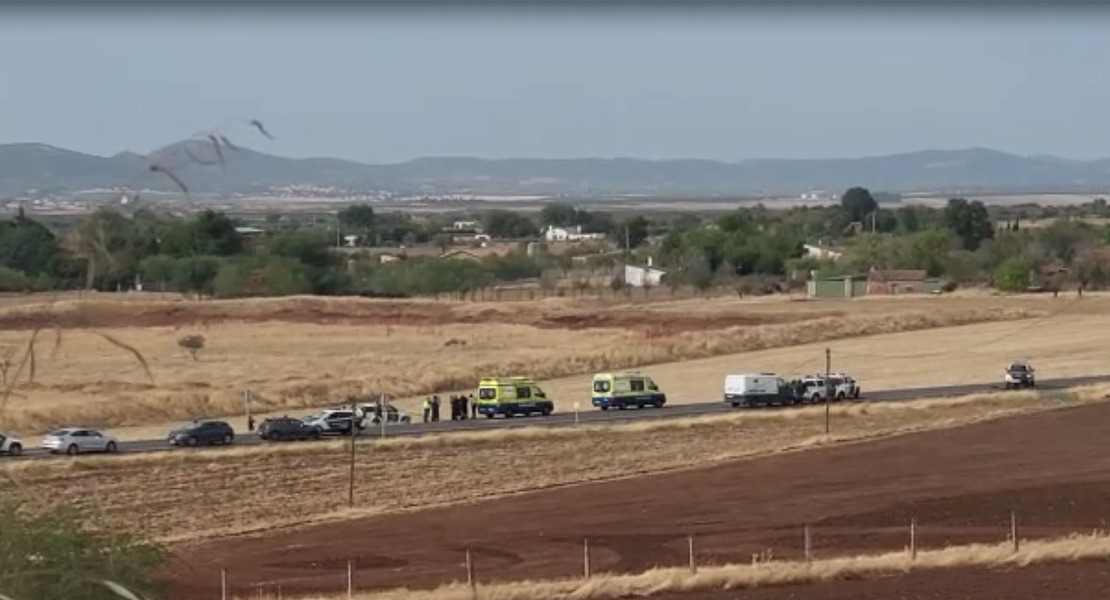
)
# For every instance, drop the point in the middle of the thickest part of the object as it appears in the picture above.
(559, 214)
(929, 250)
(357, 217)
(1013, 275)
(211, 233)
(632, 232)
(506, 224)
(158, 269)
(970, 221)
(196, 274)
(51, 554)
(27, 246)
(858, 203)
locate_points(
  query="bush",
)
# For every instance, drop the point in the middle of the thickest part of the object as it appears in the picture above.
(48, 555)
(1013, 275)
(13, 281)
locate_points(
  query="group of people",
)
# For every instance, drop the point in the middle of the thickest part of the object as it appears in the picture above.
(460, 407)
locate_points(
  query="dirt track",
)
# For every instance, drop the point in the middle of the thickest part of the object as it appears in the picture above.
(960, 484)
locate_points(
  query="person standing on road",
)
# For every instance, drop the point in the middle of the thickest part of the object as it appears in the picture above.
(427, 408)
(462, 407)
(435, 408)
(473, 408)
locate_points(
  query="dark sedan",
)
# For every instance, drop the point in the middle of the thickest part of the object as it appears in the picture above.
(287, 428)
(203, 433)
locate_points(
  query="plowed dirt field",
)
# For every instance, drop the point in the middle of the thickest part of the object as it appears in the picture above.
(960, 484)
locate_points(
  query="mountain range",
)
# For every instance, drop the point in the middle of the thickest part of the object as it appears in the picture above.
(30, 170)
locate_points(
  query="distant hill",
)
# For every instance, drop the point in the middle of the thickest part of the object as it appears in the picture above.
(38, 169)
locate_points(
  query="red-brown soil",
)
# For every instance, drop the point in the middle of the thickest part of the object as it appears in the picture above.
(960, 484)
(394, 313)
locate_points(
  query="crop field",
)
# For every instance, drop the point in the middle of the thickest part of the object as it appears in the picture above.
(959, 484)
(304, 352)
(260, 488)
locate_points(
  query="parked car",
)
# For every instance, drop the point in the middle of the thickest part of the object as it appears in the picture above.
(333, 421)
(844, 386)
(287, 428)
(1020, 374)
(78, 440)
(393, 415)
(207, 433)
(10, 445)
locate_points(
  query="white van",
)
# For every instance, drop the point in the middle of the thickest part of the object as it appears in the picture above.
(757, 389)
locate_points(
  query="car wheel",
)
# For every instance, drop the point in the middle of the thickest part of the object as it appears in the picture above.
(840, 396)
(15, 450)
(315, 435)
(190, 441)
(72, 450)
(111, 447)
(228, 439)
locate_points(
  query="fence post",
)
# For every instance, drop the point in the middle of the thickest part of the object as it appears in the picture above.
(693, 557)
(808, 544)
(913, 538)
(223, 584)
(1014, 530)
(350, 578)
(469, 569)
(586, 558)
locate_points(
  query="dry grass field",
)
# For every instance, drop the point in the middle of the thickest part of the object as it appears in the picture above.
(254, 489)
(760, 574)
(307, 352)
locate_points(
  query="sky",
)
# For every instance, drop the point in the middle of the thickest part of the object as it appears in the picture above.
(385, 84)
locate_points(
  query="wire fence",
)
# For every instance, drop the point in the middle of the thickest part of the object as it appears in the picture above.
(801, 550)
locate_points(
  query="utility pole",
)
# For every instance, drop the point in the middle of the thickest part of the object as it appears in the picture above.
(351, 472)
(828, 369)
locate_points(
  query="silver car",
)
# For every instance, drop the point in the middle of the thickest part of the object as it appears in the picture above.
(76, 440)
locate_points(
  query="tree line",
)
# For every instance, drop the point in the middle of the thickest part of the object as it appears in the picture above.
(749, 249)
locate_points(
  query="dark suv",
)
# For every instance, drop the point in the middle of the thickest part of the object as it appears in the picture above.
(287, 428)
(206, 433)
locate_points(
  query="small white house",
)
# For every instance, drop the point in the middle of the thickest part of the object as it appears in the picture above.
(466, 226)
(821, 253)
(642, 276)
(561, 234)
(350, 240)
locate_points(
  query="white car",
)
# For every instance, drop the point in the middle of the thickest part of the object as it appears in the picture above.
(844, 386)
(392, 414)
(337, 421)
(10, 445)
(78, 440)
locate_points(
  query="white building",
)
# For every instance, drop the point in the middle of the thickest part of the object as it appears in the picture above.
(643, 276)
(561, 234)
(821, 253)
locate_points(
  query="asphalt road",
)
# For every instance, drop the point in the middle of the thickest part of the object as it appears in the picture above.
(591, 415)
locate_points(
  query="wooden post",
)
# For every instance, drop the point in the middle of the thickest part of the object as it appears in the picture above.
(223, 584)
(808, 541)
(586, 558)
(1014, 530)
(350, 579)
(913, 538)
(693, 557)
(469, 568)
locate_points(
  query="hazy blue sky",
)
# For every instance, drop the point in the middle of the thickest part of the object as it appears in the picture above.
(386, 85)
